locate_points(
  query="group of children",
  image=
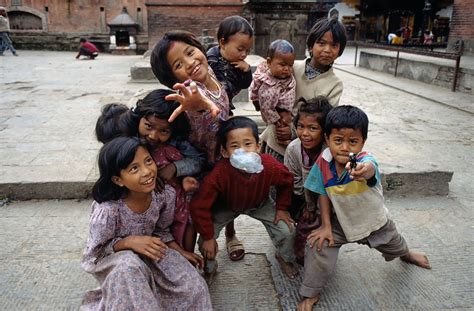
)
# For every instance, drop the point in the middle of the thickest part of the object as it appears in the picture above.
(178, 164)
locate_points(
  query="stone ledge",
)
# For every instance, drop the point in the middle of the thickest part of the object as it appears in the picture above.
(418, 183)
(431, 72)
(394, 184)
(46, 190)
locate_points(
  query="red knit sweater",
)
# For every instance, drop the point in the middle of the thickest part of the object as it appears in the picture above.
(239, 191)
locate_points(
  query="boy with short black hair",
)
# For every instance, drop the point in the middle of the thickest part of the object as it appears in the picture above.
(358, 214)
(240, 184)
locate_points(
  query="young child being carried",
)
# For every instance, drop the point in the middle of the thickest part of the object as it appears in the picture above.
(128, 246)
(220, 198)
(299, 158)
(227, 59)
(314, 75)
(351, 204)
(273, 93)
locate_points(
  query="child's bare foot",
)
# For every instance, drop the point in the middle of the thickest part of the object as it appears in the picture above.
(287, 267)
(419, 259)
(307, 303)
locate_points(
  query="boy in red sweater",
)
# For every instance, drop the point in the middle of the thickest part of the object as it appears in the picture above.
(88, 49)
(240, 184)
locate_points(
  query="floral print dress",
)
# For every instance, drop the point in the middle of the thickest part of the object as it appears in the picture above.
(163, 155)
(129, 281)
(204, 126)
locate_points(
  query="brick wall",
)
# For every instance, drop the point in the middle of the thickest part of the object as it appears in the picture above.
(191, 15)
(81, 16)
(462, 25)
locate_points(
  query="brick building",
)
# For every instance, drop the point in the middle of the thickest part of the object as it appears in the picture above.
(191, 15)
(58, 24)
(462, 25)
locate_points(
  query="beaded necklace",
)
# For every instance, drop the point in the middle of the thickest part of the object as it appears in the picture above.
(219, 90)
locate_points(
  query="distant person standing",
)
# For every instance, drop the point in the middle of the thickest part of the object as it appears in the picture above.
(88, 49)
(428, 37)
(5, 41)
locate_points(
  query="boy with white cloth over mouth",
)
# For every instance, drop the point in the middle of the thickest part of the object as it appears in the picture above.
(240, 184)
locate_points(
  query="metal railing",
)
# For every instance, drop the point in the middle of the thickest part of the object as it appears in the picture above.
(413, 49)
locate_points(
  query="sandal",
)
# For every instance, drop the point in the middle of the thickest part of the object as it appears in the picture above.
(235, 248)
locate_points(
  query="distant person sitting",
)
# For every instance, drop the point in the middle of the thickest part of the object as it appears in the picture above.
(88, 49)
(397, 39)
(5, 41)
(390, 37)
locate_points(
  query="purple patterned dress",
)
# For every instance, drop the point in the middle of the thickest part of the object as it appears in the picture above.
(129, 281)
(163, 155)
(204, 126)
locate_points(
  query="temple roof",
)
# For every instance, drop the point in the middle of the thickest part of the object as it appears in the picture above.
(123, 19)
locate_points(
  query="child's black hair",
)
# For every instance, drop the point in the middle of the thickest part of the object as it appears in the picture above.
(115, 120)
(232, 25)
(324, 25)
(159, 61)
(280, 46)
(155, 104)
(114, 156)
(318, 106)
(347, 116)
(238, 122)
(82, 40)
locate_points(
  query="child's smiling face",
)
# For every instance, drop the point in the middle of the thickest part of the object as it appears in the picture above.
(187, 62)
(236, 48)
(309, 131)
(140, 175)
(325, 51)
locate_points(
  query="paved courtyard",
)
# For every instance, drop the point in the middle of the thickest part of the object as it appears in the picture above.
(48, 109)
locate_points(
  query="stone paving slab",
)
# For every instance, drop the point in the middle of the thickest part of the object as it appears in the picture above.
(43, 243)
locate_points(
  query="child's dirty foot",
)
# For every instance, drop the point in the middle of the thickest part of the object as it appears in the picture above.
(287, 267)
(419, 259)
(210, 275)
(235, 248)
(307, 303)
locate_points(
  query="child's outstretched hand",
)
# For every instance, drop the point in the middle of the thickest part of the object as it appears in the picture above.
(190, 184)
(362, 171)
(242, 65)
(150, 246)
(285, 216)
(320, 235)
(190, 99)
